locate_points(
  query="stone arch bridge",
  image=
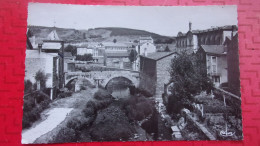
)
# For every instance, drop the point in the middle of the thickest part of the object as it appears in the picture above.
(103, 77)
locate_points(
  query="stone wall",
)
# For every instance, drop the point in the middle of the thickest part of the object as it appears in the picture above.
(233, 66)
(33, 65)
(163, 75)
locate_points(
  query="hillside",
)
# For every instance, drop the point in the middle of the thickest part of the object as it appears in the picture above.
(97, 34)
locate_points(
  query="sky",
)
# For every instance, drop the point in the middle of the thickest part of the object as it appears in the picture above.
(163, 20)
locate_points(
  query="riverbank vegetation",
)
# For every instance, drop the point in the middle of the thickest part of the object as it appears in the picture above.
(34, 104)
(106, 119)
(35, 101)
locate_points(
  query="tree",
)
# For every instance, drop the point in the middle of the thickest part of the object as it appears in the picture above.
(158, 41)
(85, 57)
(132, 55)
(167, 49)
(27, 86)
(114, 40)
(189, 77)
(71, 49)
(42, 78)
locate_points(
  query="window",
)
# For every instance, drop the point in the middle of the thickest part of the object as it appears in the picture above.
(216, 79)
(214, 59)
(214, 68)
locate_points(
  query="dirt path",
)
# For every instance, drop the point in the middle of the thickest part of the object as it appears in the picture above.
(56, 116)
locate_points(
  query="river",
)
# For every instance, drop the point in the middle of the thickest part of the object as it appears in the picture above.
(119, 87)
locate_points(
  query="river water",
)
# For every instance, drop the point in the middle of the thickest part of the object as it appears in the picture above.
(119, 91)
(119, 88)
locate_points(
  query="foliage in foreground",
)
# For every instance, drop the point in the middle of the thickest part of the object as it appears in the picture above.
(138, 108)
(34, 104)
(102, 94)
(111, 124)
(189, 76)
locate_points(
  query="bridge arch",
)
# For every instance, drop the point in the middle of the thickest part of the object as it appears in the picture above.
(127, 79)
(130, 78)
(78, 78)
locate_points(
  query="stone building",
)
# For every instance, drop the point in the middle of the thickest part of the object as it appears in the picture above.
(155, 67)
(96, 52)
(118, 60)
(193, 39)
(233, 64)
(117, 55)
(145, 39)
(215, 60)
(69, 64)
(84, 50)
(145, 46)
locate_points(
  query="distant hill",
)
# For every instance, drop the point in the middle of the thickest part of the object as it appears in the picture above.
(98, 34)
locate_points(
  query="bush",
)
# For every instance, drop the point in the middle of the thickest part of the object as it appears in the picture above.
(111, 124)
(92, 107)
(102, 94)
(65, 135)
(91, 104)
(31, 110)
(138, 108)
(28, 104)
(28, 86)
(65, 94)
(85, 57)
(30, 117)
(40, 96)
(89, 111)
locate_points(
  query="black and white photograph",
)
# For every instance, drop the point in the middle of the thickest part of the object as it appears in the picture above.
(131, 73)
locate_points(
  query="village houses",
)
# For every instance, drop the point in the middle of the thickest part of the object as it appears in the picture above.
(47, 59)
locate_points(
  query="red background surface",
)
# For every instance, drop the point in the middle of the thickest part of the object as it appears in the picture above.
(13, 18)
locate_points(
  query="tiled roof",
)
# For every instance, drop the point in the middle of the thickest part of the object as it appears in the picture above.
(226, 27)
(214, 49)
(53, 35)
(158, 55)
(36, 54)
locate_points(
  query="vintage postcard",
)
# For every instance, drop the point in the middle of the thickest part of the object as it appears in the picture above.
(131, 73)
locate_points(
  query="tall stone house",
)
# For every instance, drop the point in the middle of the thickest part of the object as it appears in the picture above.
(215, 59)
(48, 58)
(154, 70)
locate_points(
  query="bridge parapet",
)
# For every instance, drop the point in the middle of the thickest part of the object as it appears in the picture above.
(103, 77)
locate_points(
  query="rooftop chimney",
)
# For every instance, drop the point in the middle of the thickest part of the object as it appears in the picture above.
(40, 47)
(190, 26)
